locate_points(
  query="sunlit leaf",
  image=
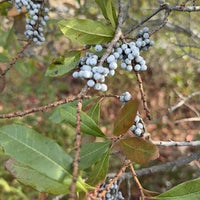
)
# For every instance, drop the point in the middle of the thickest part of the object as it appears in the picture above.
(139, 150)
(63, 65)
(91, 152)
(125, 117)
(36, 151)
(100, 170)
(41, 182)
(35, 179)
(185, 191)
(86, 31)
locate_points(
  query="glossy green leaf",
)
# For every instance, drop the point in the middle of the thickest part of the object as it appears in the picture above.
(88, 125)
(139, 150)
(189, 190)
(108, 10)
(125, 117)
(91, 152)
(100, 169)
(36, 151)
(86, 31)
(63, 65)
(94, 112)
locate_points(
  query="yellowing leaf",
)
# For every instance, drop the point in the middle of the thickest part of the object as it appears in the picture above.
(125, 117)
(139, 150)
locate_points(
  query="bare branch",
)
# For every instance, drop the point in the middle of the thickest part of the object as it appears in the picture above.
(77, 148)
(145, 19)
(168, 8)
(39, 109)
(143, 96)
(160, 168)
(15, 59)
(180, 103)
(192, 119)
(137, 181)
(174, 143)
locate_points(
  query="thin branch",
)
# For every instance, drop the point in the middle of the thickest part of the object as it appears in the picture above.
(39, 109)
(15, 59)
(184, 99)
(163, 23)
(146, 19)
(168, 8)
(160, 168)
(72, 195)
(137, 181)
(192, 119)
(174, 143)
(185, 9)
(143, 96)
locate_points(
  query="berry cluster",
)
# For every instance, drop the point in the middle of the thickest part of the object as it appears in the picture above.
(36, 19)
(127, 55)
(137, 128)
(143, 42)
(90, 70)
(126, 96)
(113, 193)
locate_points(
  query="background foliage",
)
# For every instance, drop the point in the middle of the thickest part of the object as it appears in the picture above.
(173, 71)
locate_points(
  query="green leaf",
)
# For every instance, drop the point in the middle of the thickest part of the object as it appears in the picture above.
(94, 112)
(63, 65)
(139, 150)
(184, 191)
(88, 125)
(35, 179)
(91, 152)
(57, 118)
(100, 170)
(36, 151)
(125, 117)
(86, 31)
(40, 181)
(108, 10)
